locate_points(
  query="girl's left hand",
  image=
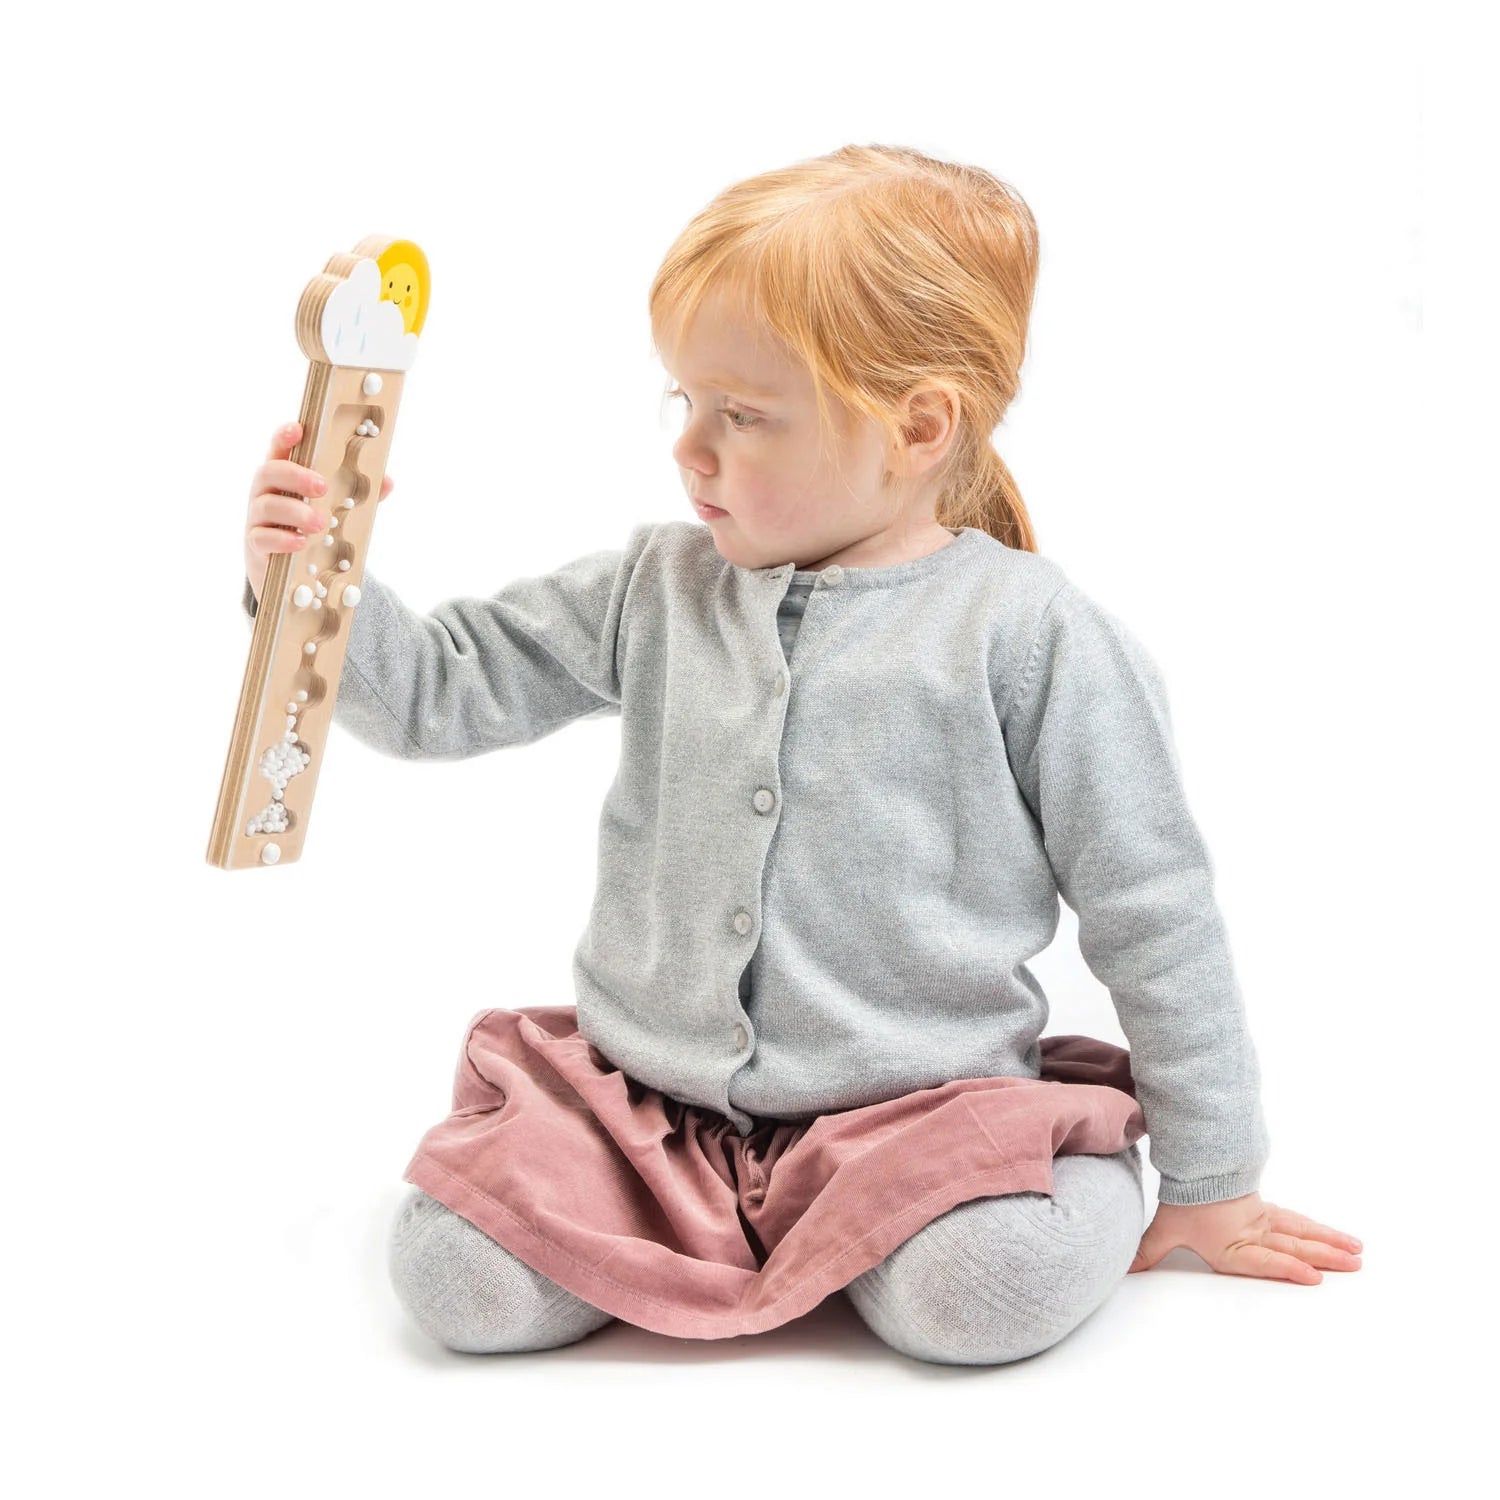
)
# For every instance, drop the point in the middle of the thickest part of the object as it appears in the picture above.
(1248, 1237)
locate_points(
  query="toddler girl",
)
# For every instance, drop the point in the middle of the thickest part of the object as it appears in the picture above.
(868, 735)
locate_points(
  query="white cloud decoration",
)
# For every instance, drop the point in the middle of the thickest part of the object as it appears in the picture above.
(360, 329)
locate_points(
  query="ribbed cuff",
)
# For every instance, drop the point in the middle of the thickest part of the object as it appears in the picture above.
(1209, 1189)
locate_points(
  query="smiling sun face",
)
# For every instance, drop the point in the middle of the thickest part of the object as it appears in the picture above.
(403, 281)
(401, 288)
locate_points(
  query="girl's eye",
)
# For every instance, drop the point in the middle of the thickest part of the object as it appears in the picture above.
(729, 411)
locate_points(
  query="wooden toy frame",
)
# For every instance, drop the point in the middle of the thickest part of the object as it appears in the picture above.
(358, 323)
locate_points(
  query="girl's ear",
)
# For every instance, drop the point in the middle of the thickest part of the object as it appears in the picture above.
(935, 410)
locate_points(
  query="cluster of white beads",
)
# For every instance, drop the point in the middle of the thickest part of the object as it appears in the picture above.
(367, 429)
(271, 819)
(284, 759)
(278, 765)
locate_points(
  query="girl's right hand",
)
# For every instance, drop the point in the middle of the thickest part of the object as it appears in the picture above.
(281, 512)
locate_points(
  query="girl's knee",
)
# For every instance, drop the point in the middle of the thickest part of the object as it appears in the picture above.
(470, 1293)
(1001, 1278)
(1095, 1201)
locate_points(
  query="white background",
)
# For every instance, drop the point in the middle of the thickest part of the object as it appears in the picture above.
(1259, 382)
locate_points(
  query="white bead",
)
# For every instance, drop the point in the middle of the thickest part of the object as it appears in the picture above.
(270, 854)
(310, 647)
(302, 596)
(351, 595)
(372, 384)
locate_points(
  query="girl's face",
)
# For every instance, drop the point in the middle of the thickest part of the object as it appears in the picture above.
(751, 447)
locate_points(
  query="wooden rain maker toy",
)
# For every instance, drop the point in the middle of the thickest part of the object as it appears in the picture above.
(358, 323)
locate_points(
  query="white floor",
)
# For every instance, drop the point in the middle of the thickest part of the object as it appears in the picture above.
(280, 1363)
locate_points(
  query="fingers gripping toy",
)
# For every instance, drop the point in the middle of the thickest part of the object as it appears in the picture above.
(358, 323)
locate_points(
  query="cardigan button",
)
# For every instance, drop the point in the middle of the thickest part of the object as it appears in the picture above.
(832, 573)
(780, 683)
(741, 1037)
(743, 922)
(764, 800)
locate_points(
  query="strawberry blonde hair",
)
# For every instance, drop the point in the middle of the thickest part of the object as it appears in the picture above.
(879, 268)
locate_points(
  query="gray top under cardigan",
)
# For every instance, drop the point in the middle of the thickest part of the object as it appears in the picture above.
(885, 824)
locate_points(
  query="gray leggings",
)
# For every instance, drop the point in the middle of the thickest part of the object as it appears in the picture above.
(990, 1281)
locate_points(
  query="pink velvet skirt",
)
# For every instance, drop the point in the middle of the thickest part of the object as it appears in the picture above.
(662, 1214)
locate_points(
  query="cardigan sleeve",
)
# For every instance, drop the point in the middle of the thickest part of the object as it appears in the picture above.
(1089, 737)
(482, 673)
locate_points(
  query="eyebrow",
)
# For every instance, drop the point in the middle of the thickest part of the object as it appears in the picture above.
(729, 386)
